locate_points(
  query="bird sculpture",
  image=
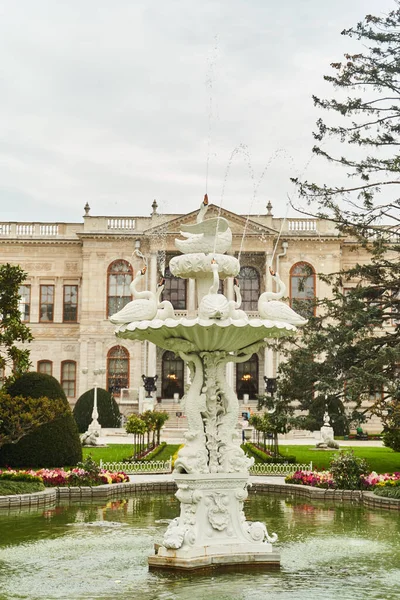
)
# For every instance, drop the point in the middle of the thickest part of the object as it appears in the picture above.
(269, 306)
(214, 305)
(203, 210)
(142, 308)
(165, 310)
(210, 235)
(234, 305)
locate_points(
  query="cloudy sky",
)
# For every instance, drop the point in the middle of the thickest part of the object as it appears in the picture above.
(117, 103)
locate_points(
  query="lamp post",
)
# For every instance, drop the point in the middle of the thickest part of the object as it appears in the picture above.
(95, 426)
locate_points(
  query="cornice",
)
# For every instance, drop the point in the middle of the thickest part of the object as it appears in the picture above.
(39, 242)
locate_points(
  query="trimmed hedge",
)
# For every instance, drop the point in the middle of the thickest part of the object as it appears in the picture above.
(266, 458)
(109, 415)
(54, 444)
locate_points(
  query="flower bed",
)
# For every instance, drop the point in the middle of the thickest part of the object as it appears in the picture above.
(72, 478)
(325, 479)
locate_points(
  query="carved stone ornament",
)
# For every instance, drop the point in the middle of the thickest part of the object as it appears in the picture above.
(218, 513)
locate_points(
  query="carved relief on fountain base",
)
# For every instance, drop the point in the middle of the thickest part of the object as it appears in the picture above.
(212, 528)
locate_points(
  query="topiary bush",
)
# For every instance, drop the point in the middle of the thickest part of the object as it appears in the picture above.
(109, 415)
(54, 444)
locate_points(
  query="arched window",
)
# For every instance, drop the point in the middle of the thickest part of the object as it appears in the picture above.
(172, 375)
(68, 378)
(174, 290)
(249, 281)
(45, 366)
(117, 369)
(119, 278)
(247, 378)
(302, 289)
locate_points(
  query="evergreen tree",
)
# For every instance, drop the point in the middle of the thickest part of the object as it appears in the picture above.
(12, 330)
(348, 356)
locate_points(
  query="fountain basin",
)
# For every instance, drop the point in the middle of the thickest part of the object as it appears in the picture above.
(204, 335)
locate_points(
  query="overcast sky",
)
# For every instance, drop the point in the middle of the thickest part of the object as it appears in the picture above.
(108, 102)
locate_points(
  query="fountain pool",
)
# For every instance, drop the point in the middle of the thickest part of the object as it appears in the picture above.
(99, 551)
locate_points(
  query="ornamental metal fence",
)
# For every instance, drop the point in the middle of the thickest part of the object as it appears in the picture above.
(147, 467)
(278, 468)
(161, 466)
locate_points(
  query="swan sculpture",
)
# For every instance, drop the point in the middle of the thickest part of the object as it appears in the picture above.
(211, 235)
(234, 305)
(269, 306)
(214, 305)
(142, 308)
(165, 310)
(203, 210)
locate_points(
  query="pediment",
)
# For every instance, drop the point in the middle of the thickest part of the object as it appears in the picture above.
(237, 223)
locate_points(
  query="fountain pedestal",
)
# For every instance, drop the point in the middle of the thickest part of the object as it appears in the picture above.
(212, 529)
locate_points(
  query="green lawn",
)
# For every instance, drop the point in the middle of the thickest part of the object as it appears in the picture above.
(381, 460)
(111, 453)
(119, 452)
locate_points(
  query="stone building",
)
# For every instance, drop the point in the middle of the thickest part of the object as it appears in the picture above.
(79, 274)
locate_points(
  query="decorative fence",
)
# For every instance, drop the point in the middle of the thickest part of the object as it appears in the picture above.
(278, 468)
(150, 466)
(160, 466)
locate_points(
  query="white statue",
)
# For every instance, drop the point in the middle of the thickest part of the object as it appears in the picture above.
(234, 305)
(211, 235)
(165, 310)
(270, 307)
(214, 305)
(142, 308)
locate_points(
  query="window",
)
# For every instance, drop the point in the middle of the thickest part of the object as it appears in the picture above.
(302, 289)
(25, 302)
(68, 377)
(117, 369)
(249, 281)
(247, 378)
(172, 375)
(174, 290)
(46, 303)
(45, 366)
(70, 304)
(119, 277)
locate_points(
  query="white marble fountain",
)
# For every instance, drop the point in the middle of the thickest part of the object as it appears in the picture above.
(211, 471)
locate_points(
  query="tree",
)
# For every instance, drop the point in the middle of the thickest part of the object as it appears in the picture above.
(160, 418)
(138, 428)
(12, 330)
(350, 352)
(19, 416)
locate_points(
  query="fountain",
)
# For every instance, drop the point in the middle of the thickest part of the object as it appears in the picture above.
(211, 470)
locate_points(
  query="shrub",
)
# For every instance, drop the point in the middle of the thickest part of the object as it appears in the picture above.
(391, 439)
(11, 487)
(389, 489)
(346, 470)
(109, 415)
(52, 445)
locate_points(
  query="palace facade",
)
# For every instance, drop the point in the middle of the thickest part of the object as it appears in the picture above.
(79, 274)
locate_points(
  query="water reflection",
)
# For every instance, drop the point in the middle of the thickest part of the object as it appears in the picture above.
(99, 551)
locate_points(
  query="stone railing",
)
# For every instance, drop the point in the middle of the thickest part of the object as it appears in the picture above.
(119, 223)
(39, 230)
(145, 467)
(278, 468)
(300, 225)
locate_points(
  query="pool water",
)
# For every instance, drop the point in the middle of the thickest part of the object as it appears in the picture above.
(100, 550)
